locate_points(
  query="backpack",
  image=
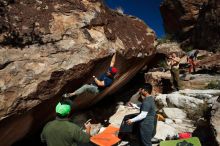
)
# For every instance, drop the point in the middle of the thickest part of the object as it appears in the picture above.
(184, 143)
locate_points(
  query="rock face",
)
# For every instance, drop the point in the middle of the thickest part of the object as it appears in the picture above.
(119, 115)
(193, 102)
(210, 63)
(215, 120)
(162, 80)
(161, 133)
(193, 22)
(169, 47)
(51, 47)
(174, 113)
(180, 16)
(207, 28)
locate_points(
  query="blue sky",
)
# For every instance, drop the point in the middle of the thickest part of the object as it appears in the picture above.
(147, 10)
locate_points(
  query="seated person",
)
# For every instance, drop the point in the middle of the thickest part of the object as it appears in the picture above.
(105, 80)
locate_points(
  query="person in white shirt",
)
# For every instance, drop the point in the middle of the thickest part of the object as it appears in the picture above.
(146, 118)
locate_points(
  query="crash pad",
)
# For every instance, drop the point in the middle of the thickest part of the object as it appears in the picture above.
(194, 141)
(107, 138)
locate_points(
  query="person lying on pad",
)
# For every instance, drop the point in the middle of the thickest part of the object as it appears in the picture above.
(105, 80)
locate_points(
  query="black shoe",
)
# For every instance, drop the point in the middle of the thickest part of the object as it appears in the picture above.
(72, 97)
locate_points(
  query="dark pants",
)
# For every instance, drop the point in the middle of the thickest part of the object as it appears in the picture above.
(127, 130)
(146, 131)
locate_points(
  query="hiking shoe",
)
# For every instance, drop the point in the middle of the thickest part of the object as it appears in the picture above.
(66, 95)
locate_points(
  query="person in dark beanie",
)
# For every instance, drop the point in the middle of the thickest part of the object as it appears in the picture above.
(105, 80)
(146, 118)
(62, 132)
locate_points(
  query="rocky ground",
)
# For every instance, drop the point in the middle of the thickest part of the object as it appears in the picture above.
(183, 111)
(48, 48)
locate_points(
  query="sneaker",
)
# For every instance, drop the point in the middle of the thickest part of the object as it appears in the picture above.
(66, 95)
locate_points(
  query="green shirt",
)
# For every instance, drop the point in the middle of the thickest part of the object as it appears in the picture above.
(63, 133)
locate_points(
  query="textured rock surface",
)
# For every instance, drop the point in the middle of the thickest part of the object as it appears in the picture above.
(193, 106)
(163, 130)
(215, 120)
(122, 111)
(192, 102)
(207, 28)
(180, 16)
(193, 22)
(169, 47)
(197, 81)
(81, 35)
(161, 80)
(174, 113)
(210, 63)
(51, 47)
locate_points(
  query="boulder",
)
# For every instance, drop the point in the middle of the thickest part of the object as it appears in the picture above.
(163, 130)
(194, 107)
(161, 100)
(198, 81)
(160, 80)
(201, 94)
(168, 121)
(211, 63)
(185, 125)
(52, 47)
(192, 22)
(180, 16)
(155, 77)
(215, 119)
(169, 47)
(206, 31)
(119, 115)
(174, 113)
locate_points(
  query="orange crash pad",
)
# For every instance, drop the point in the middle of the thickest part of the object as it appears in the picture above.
(107, 138)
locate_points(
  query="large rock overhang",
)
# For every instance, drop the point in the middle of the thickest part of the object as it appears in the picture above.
(59, 55)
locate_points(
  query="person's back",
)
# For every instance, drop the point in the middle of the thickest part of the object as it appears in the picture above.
(192, 54)
(152, 110)
(63, 133)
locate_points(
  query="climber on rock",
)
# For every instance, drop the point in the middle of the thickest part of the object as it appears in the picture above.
(99, 84)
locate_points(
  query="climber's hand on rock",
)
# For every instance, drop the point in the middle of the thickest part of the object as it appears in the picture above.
(112, 51)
